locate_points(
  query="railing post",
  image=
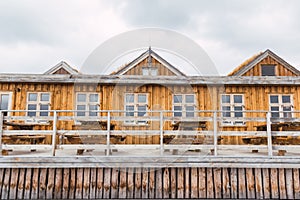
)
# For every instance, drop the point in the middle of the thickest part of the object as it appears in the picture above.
(1, 131)
(108, 134)
(54, 132)
(215, 133)
(161, 133)
(269, 134)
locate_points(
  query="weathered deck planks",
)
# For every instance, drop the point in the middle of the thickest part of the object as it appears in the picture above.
(136, 183)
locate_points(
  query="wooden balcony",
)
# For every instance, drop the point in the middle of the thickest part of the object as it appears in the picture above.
(62, 133)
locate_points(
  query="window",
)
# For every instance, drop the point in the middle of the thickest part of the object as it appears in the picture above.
(136, 105)
(5, 101)
(39, 101)
(232, 106)
(87, 103)
(281, 105)
(149, 71)
(184, 105)
(268, 70)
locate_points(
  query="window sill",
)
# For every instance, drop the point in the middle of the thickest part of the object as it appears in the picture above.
(135, 125)
(235, 126)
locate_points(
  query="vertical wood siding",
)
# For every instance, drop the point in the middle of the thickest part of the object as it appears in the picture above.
(137, 183)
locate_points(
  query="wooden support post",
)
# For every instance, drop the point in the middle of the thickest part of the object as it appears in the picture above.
(215, 134)
(108, 135)
(54, 132)
(161, 127)
(269, 134)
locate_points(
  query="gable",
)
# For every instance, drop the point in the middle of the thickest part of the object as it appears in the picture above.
(160, 69)
(149, 61)
(62, 68)
(264, 63)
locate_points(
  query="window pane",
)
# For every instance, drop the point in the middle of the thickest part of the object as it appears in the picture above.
(226, 108)
(225, 98)
(177, 111)
(268, 70)
(238, 99)
(4, 102)
(31, 107)
(81, 97)
(81, 107)
(142, 111)
(145, 71)
(154, 72)
(274, 111)
(238, 114)
(286, 99)
(287, 111)
(177, 98)
(129, 110)
(190, 111)
(189, 99)
(273, 99)
(45, 97)
(129, 98)
(32, 97)
(93, 97)
(44, 107)
(91, 109)
(142, 98)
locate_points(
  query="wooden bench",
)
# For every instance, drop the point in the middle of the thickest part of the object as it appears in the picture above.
(93, 139)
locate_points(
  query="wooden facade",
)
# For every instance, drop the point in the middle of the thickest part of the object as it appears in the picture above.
(149, 131)
(160, 90)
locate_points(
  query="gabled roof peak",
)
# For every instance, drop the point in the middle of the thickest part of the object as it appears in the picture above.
(149, 53)
(251, 62)
(62, 68)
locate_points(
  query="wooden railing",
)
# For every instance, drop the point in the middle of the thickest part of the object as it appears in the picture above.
(16, 125)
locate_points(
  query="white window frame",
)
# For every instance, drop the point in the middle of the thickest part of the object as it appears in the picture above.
(281, 106)
(184, 105)
(232, 120)
(87, 103)
(135, 104)
(9, 101)
(38, 104)
(149, 71)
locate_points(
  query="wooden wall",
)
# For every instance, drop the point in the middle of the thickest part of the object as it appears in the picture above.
(138, 183)
(256, 97)
(162, 70)
(280, 70)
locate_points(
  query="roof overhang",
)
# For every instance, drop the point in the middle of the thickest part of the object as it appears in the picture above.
(162, 80)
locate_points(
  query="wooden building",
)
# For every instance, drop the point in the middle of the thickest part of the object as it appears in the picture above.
(149, 83)
(171, 135)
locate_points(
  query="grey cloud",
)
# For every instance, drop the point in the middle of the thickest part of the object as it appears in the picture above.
(235, 23)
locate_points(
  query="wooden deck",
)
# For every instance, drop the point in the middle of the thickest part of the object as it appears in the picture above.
(187, 136)
(107, 168)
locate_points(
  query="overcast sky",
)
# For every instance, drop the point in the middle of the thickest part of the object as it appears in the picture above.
(36, 35)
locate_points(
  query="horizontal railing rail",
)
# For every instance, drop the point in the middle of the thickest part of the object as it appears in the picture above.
(19, 132)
